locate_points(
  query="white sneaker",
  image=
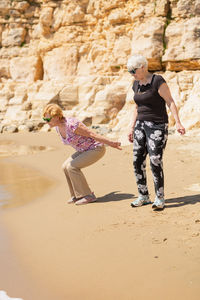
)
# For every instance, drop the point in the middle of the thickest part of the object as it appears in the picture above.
(141, 200)
(159, 203)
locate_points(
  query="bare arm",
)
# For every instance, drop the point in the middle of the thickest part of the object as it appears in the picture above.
(130, 135)
(164, 92)
(84, 131)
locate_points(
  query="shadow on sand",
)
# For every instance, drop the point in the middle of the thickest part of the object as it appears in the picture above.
(186, 200)
(170, 203)
(114, 196)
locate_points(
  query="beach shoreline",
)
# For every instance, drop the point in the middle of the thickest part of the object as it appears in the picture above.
(105, 250)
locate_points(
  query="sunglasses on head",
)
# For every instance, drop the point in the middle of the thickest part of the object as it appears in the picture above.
(47, 119)
(133, 71)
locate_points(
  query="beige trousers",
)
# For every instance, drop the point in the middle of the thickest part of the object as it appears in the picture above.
(78, 185)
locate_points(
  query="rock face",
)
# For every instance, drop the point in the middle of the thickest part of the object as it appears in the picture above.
(74, 53)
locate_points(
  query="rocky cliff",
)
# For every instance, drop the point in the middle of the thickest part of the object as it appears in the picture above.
(74, 53)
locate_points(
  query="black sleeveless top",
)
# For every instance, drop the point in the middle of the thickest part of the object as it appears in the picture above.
(151, 106)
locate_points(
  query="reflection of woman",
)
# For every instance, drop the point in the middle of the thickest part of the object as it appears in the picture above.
(149, 130)
(89, 146)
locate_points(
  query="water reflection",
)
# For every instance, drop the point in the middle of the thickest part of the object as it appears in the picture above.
(20, 185)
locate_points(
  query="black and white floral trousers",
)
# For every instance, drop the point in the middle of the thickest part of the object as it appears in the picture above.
(149, 138)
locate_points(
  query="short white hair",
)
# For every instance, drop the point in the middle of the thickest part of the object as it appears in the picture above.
(137, 61)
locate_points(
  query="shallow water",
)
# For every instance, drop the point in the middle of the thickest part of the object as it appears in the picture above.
(10, 148)
(20, 185)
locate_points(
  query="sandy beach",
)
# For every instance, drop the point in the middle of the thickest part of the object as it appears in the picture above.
(105, 250)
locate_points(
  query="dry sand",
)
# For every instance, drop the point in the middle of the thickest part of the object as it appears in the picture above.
(105, 250)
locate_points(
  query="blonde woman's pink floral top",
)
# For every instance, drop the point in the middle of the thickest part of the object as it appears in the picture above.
(79, 142)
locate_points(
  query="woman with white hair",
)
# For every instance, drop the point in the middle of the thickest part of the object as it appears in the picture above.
(149, 129)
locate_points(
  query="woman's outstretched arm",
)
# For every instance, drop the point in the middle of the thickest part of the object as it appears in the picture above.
(84, 131)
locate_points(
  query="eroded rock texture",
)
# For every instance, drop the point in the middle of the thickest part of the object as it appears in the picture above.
(74, 53)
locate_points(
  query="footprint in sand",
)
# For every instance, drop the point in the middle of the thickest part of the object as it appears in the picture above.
(156, 241)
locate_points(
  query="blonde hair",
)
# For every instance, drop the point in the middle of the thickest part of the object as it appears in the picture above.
(53, 110)
(137, 61)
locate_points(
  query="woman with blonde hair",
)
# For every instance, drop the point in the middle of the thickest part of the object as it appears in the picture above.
(149, 130)
(89, 148)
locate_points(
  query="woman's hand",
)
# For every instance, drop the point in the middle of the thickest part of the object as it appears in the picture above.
(116, 145)
(130, 136)
(180, 128)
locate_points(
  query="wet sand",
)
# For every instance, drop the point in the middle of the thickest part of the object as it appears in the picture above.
(105, 250)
